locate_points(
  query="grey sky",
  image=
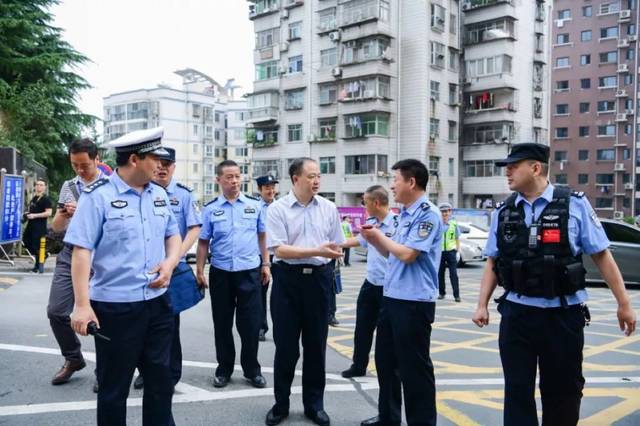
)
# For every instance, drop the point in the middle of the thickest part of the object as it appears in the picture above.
(139, 43)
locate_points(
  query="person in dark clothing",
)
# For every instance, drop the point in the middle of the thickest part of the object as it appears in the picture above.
(39, 210)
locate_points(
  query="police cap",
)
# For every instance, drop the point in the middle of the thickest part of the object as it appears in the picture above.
(170, 156)
(526, 151)
(147, 141)
(266, 180)
(445, 206)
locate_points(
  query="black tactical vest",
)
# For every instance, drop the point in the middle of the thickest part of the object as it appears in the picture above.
(537, 261)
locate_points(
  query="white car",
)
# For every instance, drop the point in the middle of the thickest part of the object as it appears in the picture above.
(191, 253)
(473, 239)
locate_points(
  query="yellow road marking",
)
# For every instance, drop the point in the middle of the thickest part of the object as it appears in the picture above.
(612, 345)
(455, 416)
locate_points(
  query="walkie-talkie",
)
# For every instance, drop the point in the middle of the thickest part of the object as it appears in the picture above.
(92, 329)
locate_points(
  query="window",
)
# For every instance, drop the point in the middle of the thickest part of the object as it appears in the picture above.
(328, 94)
(562, 62)
(267, 70)
(453, 131)
(583, 179)
(294, 132)
(327, 19)
(606, 8)
(295, 64)
(584, 107)
(434, 165)
(366, 125)
(453, 94)
(604, 179)
(329, 57)
(564, 14)
(562, 85)
(482, 168)
(583, 131)
(608, 57)
(331, 196)
(367, 88)
(435, 90)
(629, 54)
(367, 49)
(562, 132)
(267, 38)
(605, 155)
(364, 164)
(360, 10)
(606, 106)
(628, 78)
(562, 38)
(583, 155)
(453, 24)
(454, 59)
(295, 30)
(327, 129)
(434, 128)
(631, 29)
(451, 167)
(560, 156)
(438, 14)
(604, 203)
(609, 32)
(327, 165)
(607, 130)
(587, 11)
(437, 54)
(562, 109)
(585, 35)
(195, 130)
(294, 99)
(239, 116)
(585, 83)
(561, 179)
(621, 233)
(195, 168)
(585, 59)
(266, 167)
(608, 81)
(488, 66)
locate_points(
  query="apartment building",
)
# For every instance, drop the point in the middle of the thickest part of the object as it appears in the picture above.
(357, 85)
(594, 103)
(202, 122)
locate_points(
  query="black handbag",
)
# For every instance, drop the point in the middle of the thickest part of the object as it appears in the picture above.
(183, 289)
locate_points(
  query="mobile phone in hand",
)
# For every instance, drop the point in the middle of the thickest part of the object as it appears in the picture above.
(61, 207)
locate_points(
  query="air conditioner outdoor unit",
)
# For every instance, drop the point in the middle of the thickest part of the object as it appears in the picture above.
(632, 38)
(618, 167)
(618, 215)
(621, 93)
(560, 23)
(623, 68)
(336, 72)
(282, 69)
(628, 185)
(285, 13)
(621, 116)
(334, 36)
(312, 138)
(628, 111)
(284, 46)
(625, 14)
(623, 42)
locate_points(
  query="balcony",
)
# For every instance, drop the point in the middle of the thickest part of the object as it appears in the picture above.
(359, 12)
(364, 50)
(264, 114)
(261, 8)
(470, 5)
(262, 137)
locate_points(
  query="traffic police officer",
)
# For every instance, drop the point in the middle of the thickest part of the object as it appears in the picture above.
(304, 233)
(376, 202)
(125, 230)
(536, 241)
(267, 189)
(450, 249)
(408, 305)
(185, 210)
(83, 158)
(233, 230)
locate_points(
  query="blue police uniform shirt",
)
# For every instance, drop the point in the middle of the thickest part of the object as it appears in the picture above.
(126, 232)
(586, 235)
(419, 228)
(66, 195)
(184, 208)
(377, 263)
(291, 223)
(232, 229)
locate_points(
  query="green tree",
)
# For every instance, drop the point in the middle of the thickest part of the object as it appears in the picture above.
(38, 86)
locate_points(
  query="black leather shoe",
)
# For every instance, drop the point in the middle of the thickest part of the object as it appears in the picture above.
(138, 383)
(274, 417)
(333, 321)
(440, 297)
(319, 417)
(457, 299)
(353, 372)
(220, 381)
(95, 386)
(261, 336)
(375, 421)
(257, 382)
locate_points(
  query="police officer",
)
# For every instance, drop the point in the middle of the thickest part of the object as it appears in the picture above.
(347, 230)
(185, 210)
(304, 233)
(376, 202)
(450, 249)
(536, 241)
(408, 305)
(83, 158)
(267, 189)
(233, 230)
(125, 230)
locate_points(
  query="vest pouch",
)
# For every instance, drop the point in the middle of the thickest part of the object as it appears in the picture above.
(575, 274)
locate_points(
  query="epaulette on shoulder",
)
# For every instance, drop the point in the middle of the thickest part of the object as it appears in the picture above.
(500, 204)
(425, 206)
(577, 194)
(184, 186)
(251, 197)
(164, 190)
(212, 201)
(96, 184)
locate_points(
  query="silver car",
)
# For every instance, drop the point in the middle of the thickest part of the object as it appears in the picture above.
(625, 248)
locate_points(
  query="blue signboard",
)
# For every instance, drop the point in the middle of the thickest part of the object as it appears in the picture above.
(11, 208)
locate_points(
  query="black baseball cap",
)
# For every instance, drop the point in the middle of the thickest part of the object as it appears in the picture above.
(526, 151)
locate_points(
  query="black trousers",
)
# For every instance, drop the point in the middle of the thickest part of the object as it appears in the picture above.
(141, 334)
(449, 260)
(300, 306)
(551, 339)
(265, 289)
(402, 359)
(347, 254)
(367, 310)
(60, 306)
(240, 293)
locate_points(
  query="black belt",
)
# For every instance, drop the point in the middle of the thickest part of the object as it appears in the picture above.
(304, 268)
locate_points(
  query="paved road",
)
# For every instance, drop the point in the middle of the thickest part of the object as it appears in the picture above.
(466, 361)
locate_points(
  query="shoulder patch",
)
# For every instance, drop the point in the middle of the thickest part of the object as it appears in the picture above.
(425, 206)
(424, 229)
(212, 201)
(94, 185)
(578, 194)
(252, 197)
(184, 186)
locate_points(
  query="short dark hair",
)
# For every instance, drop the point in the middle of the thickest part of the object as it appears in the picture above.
(295, 169)
(411, 168)
(223, 164)
(122, 158)
(378, 193)
(84, 145)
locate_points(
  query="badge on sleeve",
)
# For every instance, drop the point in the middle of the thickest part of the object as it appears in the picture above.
(595, 220)
(119, 204)
(424, 229)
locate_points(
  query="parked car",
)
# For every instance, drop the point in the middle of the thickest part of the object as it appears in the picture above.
(191, 254)
(473, 239)
(625, 248)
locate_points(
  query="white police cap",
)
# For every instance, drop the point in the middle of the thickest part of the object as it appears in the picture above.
(147, 141)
